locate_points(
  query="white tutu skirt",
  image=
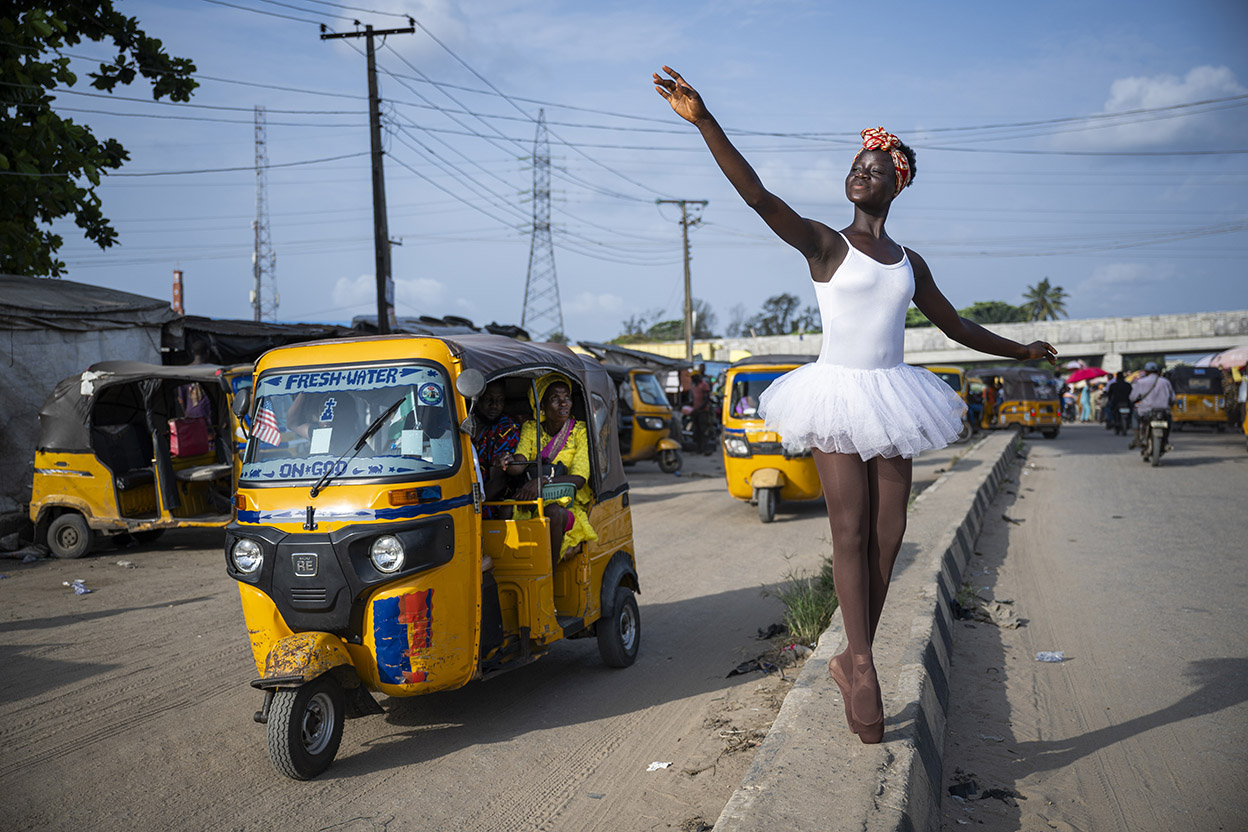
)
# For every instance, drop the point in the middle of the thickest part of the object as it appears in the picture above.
(897, 411)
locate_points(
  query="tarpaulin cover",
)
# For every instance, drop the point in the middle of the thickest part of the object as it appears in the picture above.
(34, 303)
(242, 342)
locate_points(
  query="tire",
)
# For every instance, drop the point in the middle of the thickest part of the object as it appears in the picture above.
(669, 461)
(305, 727)
(1158, 447)
(69, 536)
(767, 499)
(965, 434)
(619, 637)
(1050, 434)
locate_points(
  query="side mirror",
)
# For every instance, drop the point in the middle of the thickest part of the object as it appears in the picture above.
(470, 383)
(241, 403)
(469, 426)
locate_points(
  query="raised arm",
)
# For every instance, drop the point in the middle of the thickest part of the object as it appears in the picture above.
(783, 220)
(932, 303)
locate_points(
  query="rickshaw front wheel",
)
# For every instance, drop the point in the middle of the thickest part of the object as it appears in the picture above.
(669, 461)
(69, 536)
(305, 727)
(619, 635)
(767, 498)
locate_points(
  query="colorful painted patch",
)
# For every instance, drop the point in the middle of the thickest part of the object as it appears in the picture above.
(403, 631)
(430, 394)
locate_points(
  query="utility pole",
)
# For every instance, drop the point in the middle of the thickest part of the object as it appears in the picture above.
(263, 260)
(685, 222)
(381, 231)
(543, 311)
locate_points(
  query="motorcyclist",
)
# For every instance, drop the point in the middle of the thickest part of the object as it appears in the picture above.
(1118, 395)
(1151, 392)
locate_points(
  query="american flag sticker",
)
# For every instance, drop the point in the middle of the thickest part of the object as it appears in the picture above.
(266, 425)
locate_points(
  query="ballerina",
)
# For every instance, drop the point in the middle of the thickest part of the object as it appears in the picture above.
(863, 412)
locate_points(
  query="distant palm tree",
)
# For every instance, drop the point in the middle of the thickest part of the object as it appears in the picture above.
(1043, 302)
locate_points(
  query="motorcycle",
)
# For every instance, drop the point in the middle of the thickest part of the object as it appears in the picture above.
(1155, 432)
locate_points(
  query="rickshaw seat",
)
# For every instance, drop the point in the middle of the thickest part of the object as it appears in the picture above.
(122, 448)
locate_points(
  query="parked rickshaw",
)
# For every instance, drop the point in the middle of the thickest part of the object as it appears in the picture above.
(1026, 398)
(955, 377)
(646, 420)
(756, 464)
(132, 448)
(1198, 397)
(359, 544)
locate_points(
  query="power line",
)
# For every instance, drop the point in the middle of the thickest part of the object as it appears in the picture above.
(262, 11)
(200, 170)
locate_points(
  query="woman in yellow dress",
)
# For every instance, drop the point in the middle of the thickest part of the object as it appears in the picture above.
(562, 440)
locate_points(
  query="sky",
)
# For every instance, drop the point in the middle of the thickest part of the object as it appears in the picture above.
(1061, 140)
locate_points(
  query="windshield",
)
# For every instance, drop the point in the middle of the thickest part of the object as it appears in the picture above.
(304, 421)
(1196, 384)
(952, 379)
(746, 388)
(649, 389)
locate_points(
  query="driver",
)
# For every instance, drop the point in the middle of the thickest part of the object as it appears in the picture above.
(1151, 392)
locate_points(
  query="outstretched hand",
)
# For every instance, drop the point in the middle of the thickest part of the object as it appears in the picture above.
(683, 98)
(1040, 349)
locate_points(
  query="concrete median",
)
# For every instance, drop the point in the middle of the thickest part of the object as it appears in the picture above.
(811, 773)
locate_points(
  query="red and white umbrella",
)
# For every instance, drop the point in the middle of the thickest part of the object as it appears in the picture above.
(1230, 359)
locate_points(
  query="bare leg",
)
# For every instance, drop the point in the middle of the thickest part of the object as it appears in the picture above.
(557, 516)
(889, 480)
(847, 494)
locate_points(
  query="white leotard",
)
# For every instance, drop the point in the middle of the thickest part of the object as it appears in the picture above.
(863, 308)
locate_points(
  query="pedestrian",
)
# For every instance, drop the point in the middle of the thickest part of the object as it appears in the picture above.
(862, 411)
(700, 398)
(1085, 403)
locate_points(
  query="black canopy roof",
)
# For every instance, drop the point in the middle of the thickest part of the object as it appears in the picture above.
(779, 358)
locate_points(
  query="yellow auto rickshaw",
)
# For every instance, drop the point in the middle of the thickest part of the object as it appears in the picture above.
(756, 464)
(1026, 398)
(1198, 397)
(132, 448)
(955, 377)
(645, 418)
(360, 543)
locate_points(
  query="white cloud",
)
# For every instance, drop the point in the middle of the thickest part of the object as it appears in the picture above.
(1167, 127)
(412, 296)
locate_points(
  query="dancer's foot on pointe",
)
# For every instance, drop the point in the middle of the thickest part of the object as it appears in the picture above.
(866, 704)
(839, 669)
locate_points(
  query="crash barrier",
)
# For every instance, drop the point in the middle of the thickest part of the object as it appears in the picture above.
(810, 773)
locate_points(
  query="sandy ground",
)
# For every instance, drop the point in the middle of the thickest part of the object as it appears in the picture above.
(129, 708)
(1137, 574)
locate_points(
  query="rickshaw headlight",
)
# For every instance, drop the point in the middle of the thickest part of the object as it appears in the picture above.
(387, 554)
(652, 423)
(246, 556)
(736, 446)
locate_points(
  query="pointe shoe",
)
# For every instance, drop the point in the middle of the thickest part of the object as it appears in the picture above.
(839, 675)
(866, 703)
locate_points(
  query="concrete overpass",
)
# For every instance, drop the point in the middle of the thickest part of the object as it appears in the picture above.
(1101, 341)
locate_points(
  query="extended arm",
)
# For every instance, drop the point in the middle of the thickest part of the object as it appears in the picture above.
(783, 220)
(932, 303)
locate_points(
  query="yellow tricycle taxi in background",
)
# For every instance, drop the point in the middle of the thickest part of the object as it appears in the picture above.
(757, 466)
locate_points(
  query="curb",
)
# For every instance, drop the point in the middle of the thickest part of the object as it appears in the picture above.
(805, 774)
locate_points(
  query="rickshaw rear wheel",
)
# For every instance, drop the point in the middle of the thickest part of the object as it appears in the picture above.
(1049, 434)
(619, 635)
(767, 504)
(69, 536)
(305, 727)
(669, 461)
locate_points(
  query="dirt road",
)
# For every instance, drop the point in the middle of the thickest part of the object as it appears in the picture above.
(1137, 574)
(129, 708)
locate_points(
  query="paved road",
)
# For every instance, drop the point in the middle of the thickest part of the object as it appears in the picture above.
(1139, 575)
(129, 708)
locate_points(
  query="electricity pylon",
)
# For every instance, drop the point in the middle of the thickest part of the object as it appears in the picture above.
(543, 313)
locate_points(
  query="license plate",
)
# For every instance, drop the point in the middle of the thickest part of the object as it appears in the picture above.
(305, 564)
(1160, 424)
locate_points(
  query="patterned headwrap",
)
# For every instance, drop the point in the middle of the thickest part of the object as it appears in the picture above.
(877, 138)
